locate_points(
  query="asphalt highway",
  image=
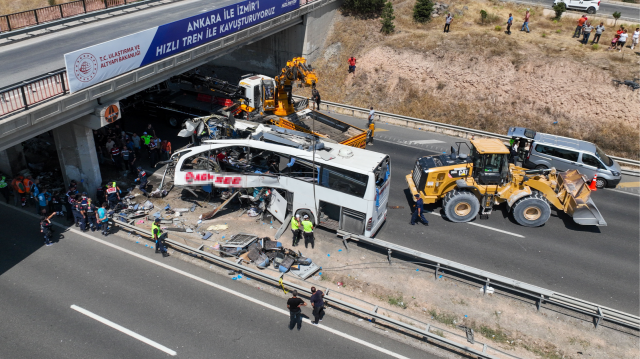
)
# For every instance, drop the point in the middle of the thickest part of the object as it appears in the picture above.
(598, 264)
(56, 302)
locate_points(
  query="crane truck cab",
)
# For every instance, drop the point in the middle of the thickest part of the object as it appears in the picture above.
(471, 184)
(259, 91)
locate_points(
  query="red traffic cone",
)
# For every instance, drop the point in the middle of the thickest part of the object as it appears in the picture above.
(592, 185)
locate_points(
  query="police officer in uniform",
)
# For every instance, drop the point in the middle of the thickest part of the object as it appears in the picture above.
(307, 227)
(158, 236)
(417, 212)
(4, 187)
(295, 229)
(45, 228)
(142, 178)
(71, 193)
(76, 208)
(90, 213)
(113, 197)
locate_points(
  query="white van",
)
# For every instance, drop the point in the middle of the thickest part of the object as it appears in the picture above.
(590, 6)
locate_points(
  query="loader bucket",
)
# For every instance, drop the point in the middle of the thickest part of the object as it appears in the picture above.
(575, 196)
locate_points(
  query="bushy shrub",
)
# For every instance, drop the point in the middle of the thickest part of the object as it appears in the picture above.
(498, 27)
(559, 8)
(386, 18)
(422, 11)
(363, 7)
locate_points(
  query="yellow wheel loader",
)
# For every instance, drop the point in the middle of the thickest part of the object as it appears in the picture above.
(473, 183)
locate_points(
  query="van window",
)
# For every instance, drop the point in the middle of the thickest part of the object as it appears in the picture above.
(557, 152)
(603, 156)
(589, 160)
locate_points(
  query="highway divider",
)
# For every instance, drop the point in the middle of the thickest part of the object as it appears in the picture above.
(432, 126)
(376, 313)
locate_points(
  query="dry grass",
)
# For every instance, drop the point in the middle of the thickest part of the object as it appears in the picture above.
(408, 73)
(13, 6)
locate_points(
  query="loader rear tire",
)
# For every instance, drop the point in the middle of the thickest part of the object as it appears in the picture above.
(532, 211)
(460, 206)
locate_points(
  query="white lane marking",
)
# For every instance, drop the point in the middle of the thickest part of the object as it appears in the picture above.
(123, 329)
(405, 145)
(483, 226)
(615, 190)
(421, 142)
(243, 296)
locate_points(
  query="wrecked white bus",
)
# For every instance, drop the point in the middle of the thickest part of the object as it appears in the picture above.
(338, 186)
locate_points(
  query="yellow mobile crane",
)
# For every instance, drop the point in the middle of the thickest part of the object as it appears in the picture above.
(472, 184)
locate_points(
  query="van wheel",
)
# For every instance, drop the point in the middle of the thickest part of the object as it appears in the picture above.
(532, 211)
(591, 10)
(460, 206)
(541, 167)
(601, 183)
(302, 212)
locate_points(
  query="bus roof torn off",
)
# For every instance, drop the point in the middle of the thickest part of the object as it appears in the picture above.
(337, 186)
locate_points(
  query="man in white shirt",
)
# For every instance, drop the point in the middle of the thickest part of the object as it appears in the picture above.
(635, 37)
(623, 39)
(371, 114)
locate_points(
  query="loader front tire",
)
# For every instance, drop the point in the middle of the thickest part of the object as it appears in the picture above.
(460, 206)
(532, 211)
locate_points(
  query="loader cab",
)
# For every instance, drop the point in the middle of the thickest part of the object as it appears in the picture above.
(490, 162)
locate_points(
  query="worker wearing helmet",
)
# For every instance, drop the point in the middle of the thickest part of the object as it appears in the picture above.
(159, 236)
(307, 227)
(295, 229)
(142, 178)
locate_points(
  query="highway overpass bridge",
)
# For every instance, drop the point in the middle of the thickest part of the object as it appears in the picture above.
(72, 116)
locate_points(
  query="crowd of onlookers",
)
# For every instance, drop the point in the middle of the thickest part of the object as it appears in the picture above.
(618, 42)
(127, 150)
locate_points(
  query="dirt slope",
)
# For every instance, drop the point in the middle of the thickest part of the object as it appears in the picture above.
(477, 76)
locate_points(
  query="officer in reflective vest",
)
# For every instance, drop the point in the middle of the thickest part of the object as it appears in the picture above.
(307, 227)
(158, 236)
(113, 197)
(4, 187)
(295, 229)
(142, 178)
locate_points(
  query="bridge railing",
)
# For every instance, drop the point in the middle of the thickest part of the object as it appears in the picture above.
(50, 13)
(21, 96)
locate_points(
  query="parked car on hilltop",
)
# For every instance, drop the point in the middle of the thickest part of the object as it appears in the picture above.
(590, 6)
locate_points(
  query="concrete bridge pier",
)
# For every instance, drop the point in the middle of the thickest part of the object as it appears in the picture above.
(12, 161)
(77, 153)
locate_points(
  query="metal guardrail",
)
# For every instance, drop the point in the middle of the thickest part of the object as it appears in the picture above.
(482, 352)
(441, 127)
(538, 294)
(27, 19)
(33, 91)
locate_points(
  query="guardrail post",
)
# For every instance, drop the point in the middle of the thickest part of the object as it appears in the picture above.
(596, 320)
(35, 14)
(389, 255)
(539, 302)
(60, 9)
(486, 285)
(8, 22)
(436, 273)
(24, 98)
(84, 6)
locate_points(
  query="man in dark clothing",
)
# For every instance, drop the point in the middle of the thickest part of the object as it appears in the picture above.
(76, 208)
(317, 302)
(45, 228)
(142, 177)
(113, 197)
(417, 212)
(315, 97)
(71, 194)
(295, 313)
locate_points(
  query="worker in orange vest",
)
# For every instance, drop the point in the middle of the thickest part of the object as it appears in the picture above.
(18, 190)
